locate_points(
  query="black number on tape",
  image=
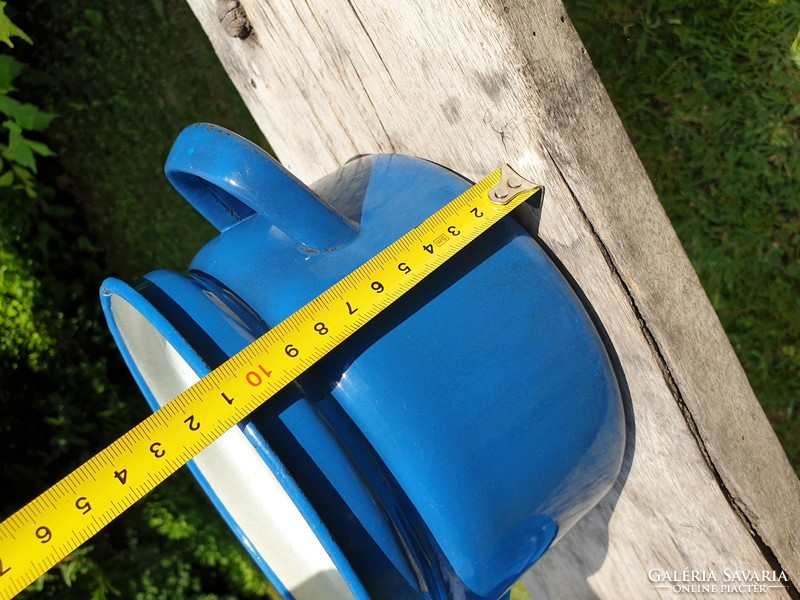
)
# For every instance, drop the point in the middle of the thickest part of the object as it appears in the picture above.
(228, 400)
(476, 212)
(122, 476)
(193, 425)
(320, 328)
(155, 448)
(350, 309)
(377, 286)
(453, 231)
(428, 248)
(2, 570)
(404, 268)
(44, 534)
(82, 504)
(291, 351)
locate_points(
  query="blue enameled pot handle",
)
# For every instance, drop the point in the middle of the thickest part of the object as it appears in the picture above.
(228, 178)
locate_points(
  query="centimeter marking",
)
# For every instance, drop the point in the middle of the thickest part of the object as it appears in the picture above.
(58, 521)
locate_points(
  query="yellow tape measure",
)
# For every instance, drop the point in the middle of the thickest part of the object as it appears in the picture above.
(50, 527)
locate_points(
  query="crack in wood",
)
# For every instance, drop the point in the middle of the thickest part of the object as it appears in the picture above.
(372, 43)
(669, 379)
(387, 138)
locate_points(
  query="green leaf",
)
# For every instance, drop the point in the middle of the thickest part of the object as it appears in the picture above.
(25, 180)
(18, 149)
(794, 51)
(23, 174)
(6, 179)
(9, 106)
(12, 125)
(20, 152)
(27, 116)
(9, 30)
(33, 119)
(10, 68)
(40, 148)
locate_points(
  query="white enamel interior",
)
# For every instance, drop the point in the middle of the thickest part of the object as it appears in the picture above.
(250, 492)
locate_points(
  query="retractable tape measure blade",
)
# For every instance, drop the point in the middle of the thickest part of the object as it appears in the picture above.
(54, 524)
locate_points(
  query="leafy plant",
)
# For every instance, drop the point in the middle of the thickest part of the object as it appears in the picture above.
(8, 30)
(20, 334)
(65, 392)
(19, 153)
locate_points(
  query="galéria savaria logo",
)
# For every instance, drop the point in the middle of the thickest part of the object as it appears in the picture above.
(725, 581)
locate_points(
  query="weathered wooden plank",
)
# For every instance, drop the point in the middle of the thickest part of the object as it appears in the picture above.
(472, 83)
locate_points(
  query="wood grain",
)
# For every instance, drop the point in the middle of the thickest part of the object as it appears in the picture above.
(473, 83)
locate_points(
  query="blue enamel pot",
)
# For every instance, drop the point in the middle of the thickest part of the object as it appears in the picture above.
(436, 454)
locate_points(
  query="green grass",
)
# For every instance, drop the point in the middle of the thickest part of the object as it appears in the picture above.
(710, 94)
